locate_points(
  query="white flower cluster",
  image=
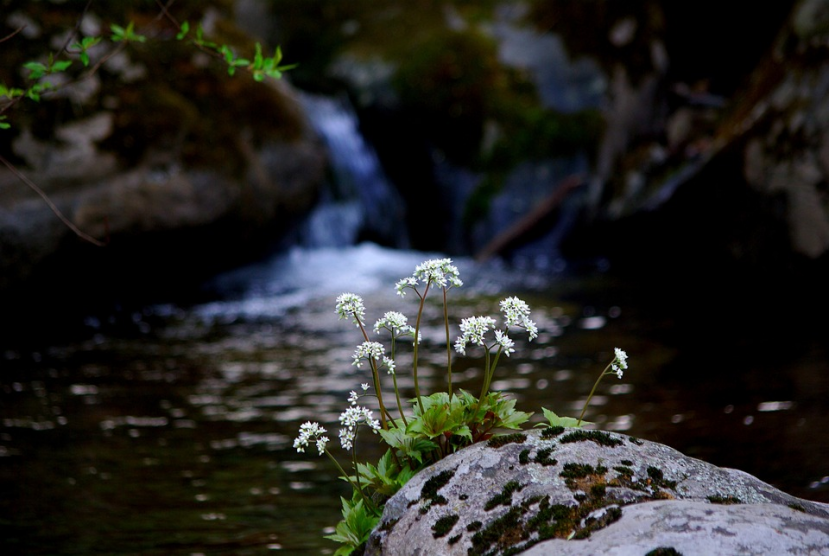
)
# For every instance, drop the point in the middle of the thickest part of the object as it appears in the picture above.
(473, 330)
(367, 351)
(354, 396)
(437, 271)
(517, 313)
(620, 362)
(351, 419)
(394, 322)
(373, 351)
(401, 285)
(350, 305)
(505, 342)
(311, 431)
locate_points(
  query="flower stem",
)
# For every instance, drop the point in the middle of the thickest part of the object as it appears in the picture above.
(591, 395)
(485, 383)
(415, 349)
(395, 383)
(449, 351)
(375, 379)
(346, 475)
(493, 367)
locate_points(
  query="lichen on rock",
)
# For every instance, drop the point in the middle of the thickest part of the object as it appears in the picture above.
(510, 497)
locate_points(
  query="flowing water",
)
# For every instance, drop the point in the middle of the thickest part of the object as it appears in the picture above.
(168, 430)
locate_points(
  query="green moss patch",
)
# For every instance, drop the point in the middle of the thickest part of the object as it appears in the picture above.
(656, 476)
(543, 457)
(504, 439)
(599, 437)
(663, 551)
(505, 497)
(550, 432)
(724, 500)
(429, 492)
(444, 525)
(580, 470)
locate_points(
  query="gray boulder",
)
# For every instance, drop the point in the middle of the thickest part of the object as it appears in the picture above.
(573, 491)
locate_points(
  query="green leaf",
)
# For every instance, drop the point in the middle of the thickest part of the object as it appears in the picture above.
(60, 66)
(4, 124)
(183, 30)
(556, 421)
(89, 42)
(355, 528)
(10, 92)
(258, 59)
(36, 69)
(118, 32)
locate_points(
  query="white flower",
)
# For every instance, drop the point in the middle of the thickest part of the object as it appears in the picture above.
(389, 364)
(517, 313)
(505, 342)
(357, 415)
(473, 330)
(395, 323)
(308, 431)
(353, 397)
(621, 358)
(346, 438)
(350, 305)
(367, 351)
(404, 283)
(321, 444)
(620, 362)
(365, 386)
(440, 271)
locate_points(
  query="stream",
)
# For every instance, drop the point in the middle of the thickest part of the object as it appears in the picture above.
(169, 429)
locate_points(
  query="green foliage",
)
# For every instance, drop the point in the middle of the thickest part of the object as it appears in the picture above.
(355, 528)
(36, 70)
(555, 420)
(82, 47)
(440, 423)
(128, 34)
(387, 477)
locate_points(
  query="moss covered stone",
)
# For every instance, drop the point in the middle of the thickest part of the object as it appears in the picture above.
(601, 438)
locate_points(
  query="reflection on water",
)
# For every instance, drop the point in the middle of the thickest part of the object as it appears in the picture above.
(172, 435)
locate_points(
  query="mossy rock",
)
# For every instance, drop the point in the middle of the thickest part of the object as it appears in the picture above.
(508, 498)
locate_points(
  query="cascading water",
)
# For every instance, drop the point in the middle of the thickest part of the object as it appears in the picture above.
(360, 203)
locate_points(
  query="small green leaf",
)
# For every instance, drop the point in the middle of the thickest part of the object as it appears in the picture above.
(556, 421)
(258, 57)
(36, 69)
(60, 66)
(89, 42)
(183, 30)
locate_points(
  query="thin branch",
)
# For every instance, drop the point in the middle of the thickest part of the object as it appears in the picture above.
(52, 205)
(13, 33)
(76, 29)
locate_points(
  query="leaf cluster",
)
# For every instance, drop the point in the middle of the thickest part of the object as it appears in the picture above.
(260, 67)
(356, 526)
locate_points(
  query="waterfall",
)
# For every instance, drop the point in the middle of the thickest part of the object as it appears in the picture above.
(360, 202)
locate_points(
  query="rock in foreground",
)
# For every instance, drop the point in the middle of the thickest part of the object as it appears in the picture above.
(573, 491)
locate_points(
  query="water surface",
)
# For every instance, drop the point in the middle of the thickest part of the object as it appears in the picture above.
(168, 430)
